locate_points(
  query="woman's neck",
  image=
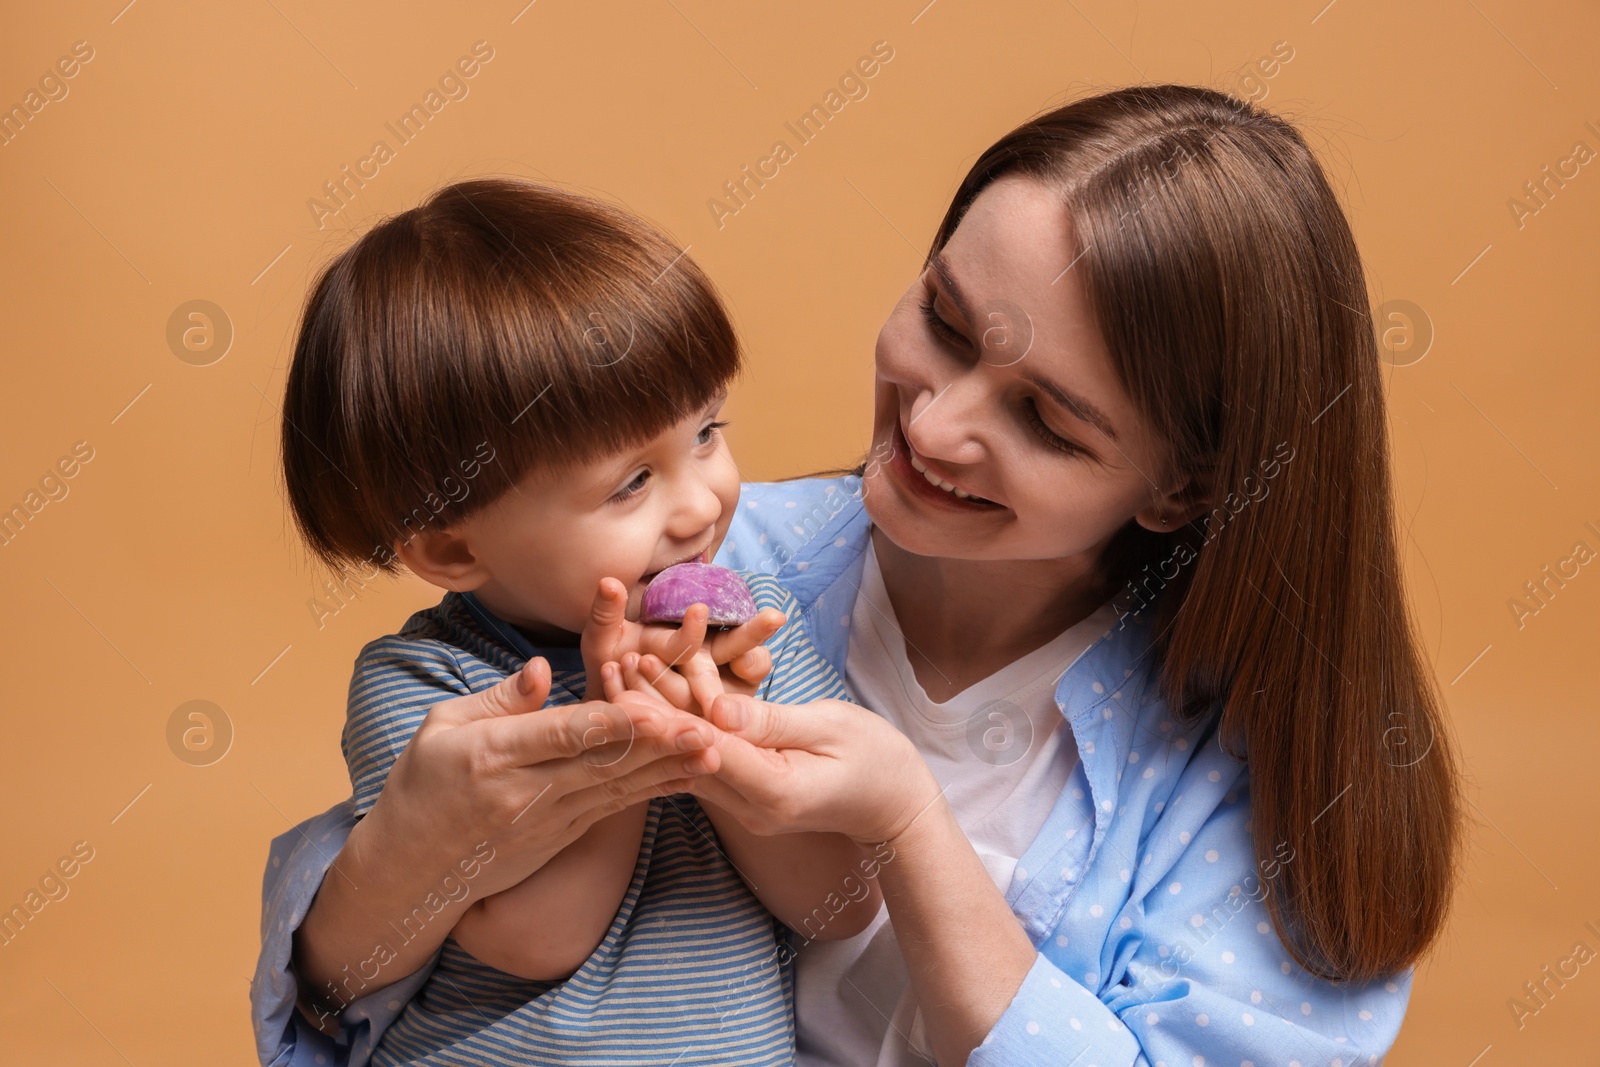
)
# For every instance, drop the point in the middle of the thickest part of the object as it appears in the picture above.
(963, 620)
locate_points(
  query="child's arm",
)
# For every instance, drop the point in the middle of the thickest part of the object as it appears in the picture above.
(824, 887)
(545, 927)
(821, 885)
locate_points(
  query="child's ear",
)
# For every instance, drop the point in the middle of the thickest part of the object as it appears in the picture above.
(442, 556)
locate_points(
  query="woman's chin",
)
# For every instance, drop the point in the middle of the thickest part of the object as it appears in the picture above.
(908, 531)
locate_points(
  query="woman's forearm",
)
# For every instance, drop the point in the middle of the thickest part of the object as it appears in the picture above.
(373, 889)
(966, 954)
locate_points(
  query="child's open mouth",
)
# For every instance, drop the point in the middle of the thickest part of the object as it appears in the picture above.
(698, 557)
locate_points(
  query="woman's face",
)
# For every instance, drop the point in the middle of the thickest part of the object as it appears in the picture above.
(993, 378)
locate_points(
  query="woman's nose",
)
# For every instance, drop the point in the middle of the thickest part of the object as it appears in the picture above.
(944, 424)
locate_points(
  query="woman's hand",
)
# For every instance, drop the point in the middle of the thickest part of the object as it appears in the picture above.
(491, 767)
(824, 766)
(497, 766)
(830, 765)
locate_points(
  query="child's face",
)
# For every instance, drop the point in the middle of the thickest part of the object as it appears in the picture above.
(544, 546)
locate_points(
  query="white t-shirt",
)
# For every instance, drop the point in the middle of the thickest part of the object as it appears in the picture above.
(1003, 752)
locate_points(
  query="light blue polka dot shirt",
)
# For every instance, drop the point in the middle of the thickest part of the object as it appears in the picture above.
(1142, 891)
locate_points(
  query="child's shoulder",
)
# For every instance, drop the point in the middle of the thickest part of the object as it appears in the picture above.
(430, 627)
(768, 592)
(444, 641)
(799, 672)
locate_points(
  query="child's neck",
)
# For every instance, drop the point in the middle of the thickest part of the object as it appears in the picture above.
(550, 637)
(538, 632)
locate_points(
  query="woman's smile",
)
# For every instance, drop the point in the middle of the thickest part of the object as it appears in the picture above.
(924, 483)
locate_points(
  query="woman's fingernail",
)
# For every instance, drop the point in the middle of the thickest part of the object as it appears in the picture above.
(695, 766)
(734, 715)
(690, 740)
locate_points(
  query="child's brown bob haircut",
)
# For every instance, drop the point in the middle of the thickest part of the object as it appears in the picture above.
(499, 326)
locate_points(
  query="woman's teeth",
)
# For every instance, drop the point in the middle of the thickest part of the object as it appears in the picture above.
(933, 479)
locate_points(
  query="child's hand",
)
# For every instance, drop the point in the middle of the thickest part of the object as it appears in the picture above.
(738, 651)
(732, 661)
(691, 686)
(609, 636)
(647, 679)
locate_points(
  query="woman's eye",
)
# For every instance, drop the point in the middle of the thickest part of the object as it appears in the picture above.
(633, 487)
(1047, 435)
(709, 434)
(941, 329)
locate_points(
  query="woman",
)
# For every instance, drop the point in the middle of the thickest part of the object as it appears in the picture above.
(1129, 426)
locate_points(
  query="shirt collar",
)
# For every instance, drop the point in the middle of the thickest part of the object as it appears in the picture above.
(563, 659)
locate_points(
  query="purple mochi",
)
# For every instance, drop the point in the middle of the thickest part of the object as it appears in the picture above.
(670, 593)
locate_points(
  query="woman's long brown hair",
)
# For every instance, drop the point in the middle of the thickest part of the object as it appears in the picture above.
(1227, 284)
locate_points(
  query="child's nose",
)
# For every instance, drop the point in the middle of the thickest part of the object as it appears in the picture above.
(700, 508)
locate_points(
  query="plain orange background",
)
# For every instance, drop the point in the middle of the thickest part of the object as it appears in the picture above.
(179, 165)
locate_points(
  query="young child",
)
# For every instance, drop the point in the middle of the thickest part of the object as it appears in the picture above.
(512, 391)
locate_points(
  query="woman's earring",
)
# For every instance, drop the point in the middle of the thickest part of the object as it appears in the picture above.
(1163, 520)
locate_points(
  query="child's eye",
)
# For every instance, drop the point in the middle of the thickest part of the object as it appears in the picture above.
(632, 488)
(708, 434)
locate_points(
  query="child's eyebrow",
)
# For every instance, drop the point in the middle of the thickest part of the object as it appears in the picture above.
(613, 470)
(625, 461)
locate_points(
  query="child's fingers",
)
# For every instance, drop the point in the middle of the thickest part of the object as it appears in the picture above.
(632, 699)
(658, 682)
(606, 616)
(604, 631)
(732, 683)
(753, 666)
(689, 636)
(610, 603)
(729, 645)
(675, 643)
(704, 680)
(611, 677)
(667, 681)
(746, 674)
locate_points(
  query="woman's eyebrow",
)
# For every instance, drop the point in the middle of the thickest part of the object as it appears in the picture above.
(1075, 404)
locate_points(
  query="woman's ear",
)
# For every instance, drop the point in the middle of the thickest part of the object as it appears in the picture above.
(1177, 506)
(443, 556)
